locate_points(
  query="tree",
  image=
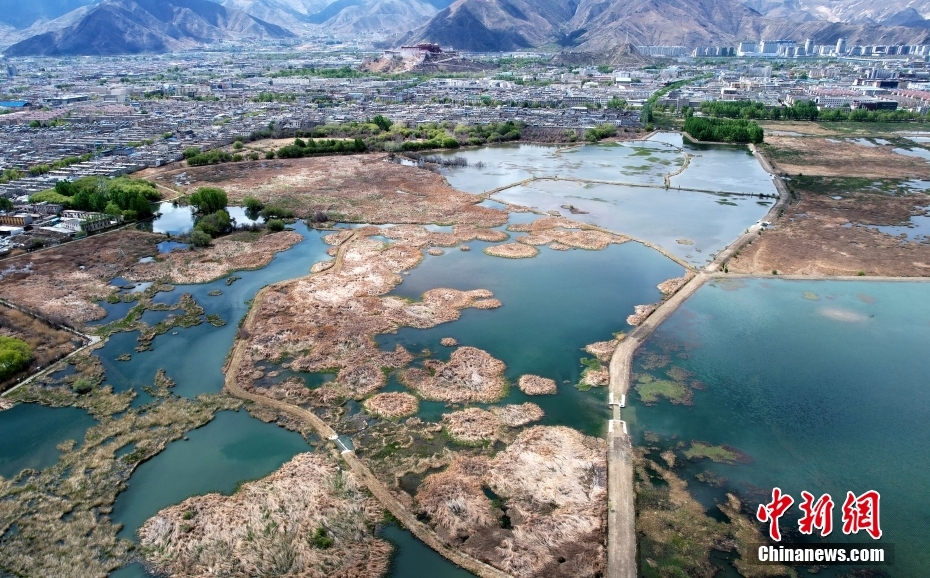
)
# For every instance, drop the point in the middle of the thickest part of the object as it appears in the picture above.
(200, 239)
(5, 204)
(215, 224)
(191, 152)
(209, 200)
(382, 122)
(253, 207)
(616, 103)
(113, 209)
(15, 355)
(275, 225)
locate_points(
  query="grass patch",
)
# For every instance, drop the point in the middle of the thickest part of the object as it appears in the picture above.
(718, 454)
(650, 390)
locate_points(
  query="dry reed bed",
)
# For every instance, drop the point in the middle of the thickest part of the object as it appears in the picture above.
(551, 484)
(63, 282)
(470, 375)
(512, 251)
(604, 350)
(536, 385)
(392, 405)
(328, 322)
(222, 257)
(275, 526)
(671, 286)
(359, 188)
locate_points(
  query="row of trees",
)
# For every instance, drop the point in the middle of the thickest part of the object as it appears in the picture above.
(800, 110)
(302, 148)
(129, 198)
(213, 220)
(723, 130)
(805, 110)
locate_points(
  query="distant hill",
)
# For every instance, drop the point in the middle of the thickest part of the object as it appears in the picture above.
(139, 26)
(21, 14)
(602, 25)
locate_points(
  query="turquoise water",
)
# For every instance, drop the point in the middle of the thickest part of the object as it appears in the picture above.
(413, 559)
(201, 373)
(30, 432)
(656, 215)
(823, 384)
(553, 305)
(231, 449)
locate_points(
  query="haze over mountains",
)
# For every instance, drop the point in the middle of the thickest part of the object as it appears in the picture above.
(52, 27)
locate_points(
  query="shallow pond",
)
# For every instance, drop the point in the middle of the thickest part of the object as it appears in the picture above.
(822, 384)
(178, 219)
(640, 162)
(30, 432)
(553, 305)
(690, 225)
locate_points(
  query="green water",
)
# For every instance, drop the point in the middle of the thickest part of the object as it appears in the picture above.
(231, 449)
(823, 384)
(553, 305)
(413, 559)
(29, 434)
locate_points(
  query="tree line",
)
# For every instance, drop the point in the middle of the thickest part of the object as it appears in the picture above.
(804, 110)
(125, 197)
(723, 130)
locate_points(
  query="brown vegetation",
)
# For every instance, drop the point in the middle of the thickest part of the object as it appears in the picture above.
(448, 342)
(309, 518)
(641, 312)
(535, 385)
(604, 350)
(392, 405)
(549, 519)
(470, 375)
(45, 341)
(63, 282)
(328, 322)
(471, 425)
(813, 237)
(562, 233)
(518, 415)
(818, 156)
(512, 251)
(671, 286)
(223, 256)
(358, 188)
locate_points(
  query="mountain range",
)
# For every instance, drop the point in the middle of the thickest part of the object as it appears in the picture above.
(139, 26)
(597, 25)
(52, 27)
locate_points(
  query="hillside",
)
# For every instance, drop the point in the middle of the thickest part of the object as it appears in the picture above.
(600, 25)
(138, 26)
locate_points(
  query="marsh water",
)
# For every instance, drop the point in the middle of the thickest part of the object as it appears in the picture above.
(553, 305)
(621, 187)
(822, 384)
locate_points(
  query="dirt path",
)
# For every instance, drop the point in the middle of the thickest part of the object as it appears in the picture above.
(378, 489)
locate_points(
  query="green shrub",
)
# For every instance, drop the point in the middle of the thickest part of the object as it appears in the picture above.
(15, 355)
(275, 225)
(200, 239)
